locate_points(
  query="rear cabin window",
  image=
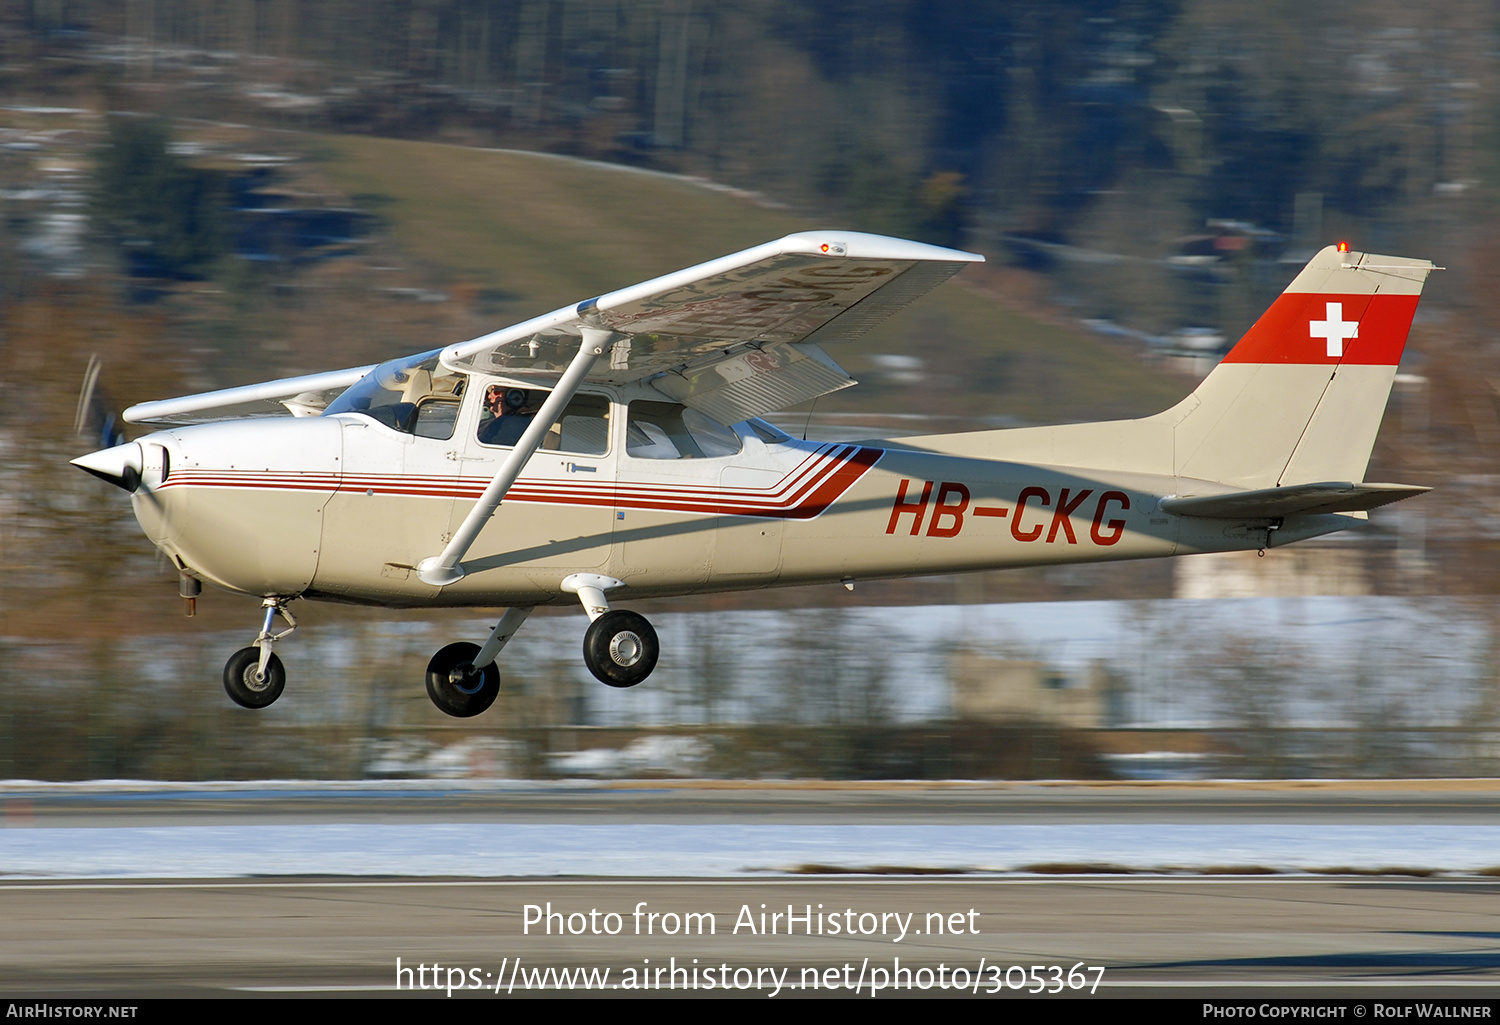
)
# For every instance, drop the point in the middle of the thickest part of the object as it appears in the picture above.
(669, 430)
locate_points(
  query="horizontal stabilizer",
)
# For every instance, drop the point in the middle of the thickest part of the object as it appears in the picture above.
(1293, 500)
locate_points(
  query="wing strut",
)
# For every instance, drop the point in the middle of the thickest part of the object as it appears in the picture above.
(440, 570)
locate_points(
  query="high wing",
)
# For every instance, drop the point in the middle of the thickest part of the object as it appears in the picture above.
(735, 337)
(297, 396)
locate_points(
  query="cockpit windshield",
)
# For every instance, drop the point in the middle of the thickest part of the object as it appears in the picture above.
(414, 394)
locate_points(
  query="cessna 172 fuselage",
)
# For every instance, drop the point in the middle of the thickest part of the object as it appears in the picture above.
(514, 472)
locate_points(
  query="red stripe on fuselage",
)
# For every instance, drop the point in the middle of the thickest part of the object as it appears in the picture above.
(837, 483)
(803, 493)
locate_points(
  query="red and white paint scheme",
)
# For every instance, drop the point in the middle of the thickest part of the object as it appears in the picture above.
(613, 449)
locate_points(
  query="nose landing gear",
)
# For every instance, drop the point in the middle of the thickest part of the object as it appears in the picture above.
(247, 684)
(254, 677)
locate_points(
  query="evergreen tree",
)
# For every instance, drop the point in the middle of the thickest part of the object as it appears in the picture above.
(167, 216)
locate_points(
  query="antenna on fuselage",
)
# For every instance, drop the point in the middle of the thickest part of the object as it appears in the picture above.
(808, 422)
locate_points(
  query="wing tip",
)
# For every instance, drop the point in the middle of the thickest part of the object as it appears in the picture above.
(858, 244)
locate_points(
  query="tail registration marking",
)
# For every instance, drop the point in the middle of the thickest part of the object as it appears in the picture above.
(953, 500)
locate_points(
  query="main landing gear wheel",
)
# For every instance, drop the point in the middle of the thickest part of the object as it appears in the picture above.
(456, 687)
(620, 648)
(244, 683)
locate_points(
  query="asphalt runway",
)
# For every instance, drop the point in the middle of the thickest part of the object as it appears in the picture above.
(267, 933)
(1253, 938)
(1455, 802)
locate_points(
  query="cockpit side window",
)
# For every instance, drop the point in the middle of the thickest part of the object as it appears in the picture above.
(583, 428)
(415, 395)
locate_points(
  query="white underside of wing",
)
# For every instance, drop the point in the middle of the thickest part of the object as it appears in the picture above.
(296, 396)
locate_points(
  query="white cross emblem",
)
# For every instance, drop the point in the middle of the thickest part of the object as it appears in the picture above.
(1335, 329)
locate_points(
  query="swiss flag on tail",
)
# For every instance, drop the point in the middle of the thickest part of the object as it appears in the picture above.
(1344, 308)
(1329, 327)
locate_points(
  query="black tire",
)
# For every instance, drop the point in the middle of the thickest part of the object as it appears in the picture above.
(242, 682)
(460, 694)
(620, 648)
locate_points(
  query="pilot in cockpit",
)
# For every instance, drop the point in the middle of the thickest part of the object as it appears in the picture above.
(510, 418)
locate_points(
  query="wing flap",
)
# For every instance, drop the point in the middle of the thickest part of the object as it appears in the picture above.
(1293, 500)
(756, 382)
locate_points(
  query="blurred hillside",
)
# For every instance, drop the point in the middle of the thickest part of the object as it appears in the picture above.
(1121, 126)
(1156, 161)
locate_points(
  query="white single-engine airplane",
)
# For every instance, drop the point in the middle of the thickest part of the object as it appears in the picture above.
(611, 450)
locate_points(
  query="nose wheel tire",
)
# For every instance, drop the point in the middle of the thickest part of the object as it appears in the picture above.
(456, 687)
(620, 648)
(244, 684)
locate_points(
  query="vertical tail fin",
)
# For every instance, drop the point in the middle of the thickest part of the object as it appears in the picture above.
(1300, 398)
